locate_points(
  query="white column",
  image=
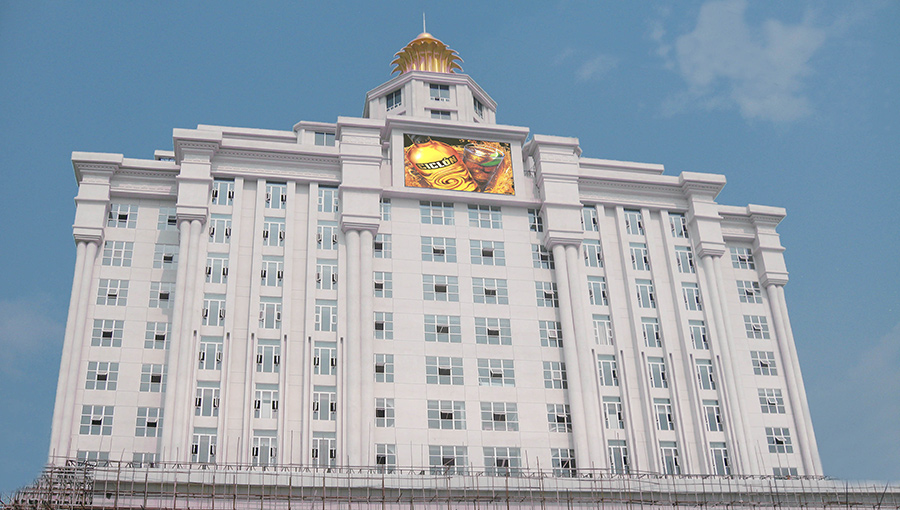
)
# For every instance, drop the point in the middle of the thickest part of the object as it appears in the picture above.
(181, 422)
(570, 355)
(171, 440)
(367, 348)
(351, 393)
(583, 341)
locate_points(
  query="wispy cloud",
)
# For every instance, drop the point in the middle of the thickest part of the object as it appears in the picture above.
(726, 63)
(28, 328)
(596, 67)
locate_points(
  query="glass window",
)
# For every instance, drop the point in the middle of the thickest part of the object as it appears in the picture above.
(496, 372)
(678, 224)
(742, 258)
(436, 213)
(684, 259)
(107, 333)
(487, 253)
(609, 373)
(546, 293)
(222, 192)
(541, 257)
(384, 368)
(443, 370)
(490, 291)
(634, 222)
(485, 216)
(440, 288)
(705, 374)
(499, 416)
(122, 216)
(558, 418)
(276, 195)
(442, 328)
(492, 331)
(771, 401)
(691, 294)
(394, 99)
(555, 375)
(438, 249)
(763, 362)
(325, 139)
(603, 330)
(551, 333)
(756, 327)
(446, 414)
(118, 253)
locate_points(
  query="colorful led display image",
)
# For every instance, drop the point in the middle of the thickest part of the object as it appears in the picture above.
(458, 164)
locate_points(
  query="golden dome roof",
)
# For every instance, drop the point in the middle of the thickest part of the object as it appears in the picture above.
(425, 53)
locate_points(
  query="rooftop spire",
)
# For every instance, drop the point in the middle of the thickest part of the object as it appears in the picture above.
(426, 53)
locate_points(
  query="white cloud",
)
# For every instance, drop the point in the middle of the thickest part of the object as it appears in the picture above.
(596, 67)
(27, 328)
(726, 63)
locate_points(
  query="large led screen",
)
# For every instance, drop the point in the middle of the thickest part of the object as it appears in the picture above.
(458, 164)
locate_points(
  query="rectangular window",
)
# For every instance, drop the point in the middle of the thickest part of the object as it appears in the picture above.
(438, 249)
(502, 461)
(268, 356)
(206, 403)
(112, 292)
(327, 235)
(771, 401)
(479, 108)
(326, 274)
(440, 288)
(749, 292)
(442, 328)
(645, 295)
(214, 310)
(273, 232)
(678, 224)
(210, 355)
(763, 362)
(168, 219)
(386, 457)
(597, 291)
(496, 372)
(153, 378)
(148, 422)
(385, 208)
(203, 446)
(157, 335)
(265, 402)
(555, 375)
(443, 370)
(640, 260)
(276, 195)
(699, 335)
(324, 449)
(446, 414)
(118, 253)
(593, 256)
(439, 92)
(490, 291)
(485, 216)
(551, 333)
(447, 460)
(219, 228)
(535, 220)
(499, 416)
(691, 294)
(162, 295)
(684, 259)
(436, 213)
(634, 222)
(216, 268)
(657, 367)
(668, 454)
(381, 246)
(143, 459)
(328, 199)
(487, 253)
(96, 420)
(265, 448)
(272, 272)
(394, 99)
(756, 327)
(326, 315)
(558, 418)
(705, 374)
(609, 372)
(589, 221)
(384, 284)
(384, 325)
(603, 330)
(270, 313)
(546, 293)
(541, 257)
(612, 413)
(779, 440)
(222, 192)
(325, 139)
(492, 331)
(618, 457)
(650, 328)
(102, 375)
(324, 403)
(384, 368)
(713, 416)
(122, 216)
(784, 472)
(384, 412)
(662, 408)
(325, 358)
(107, 333)
(563, 462)
(742, 258)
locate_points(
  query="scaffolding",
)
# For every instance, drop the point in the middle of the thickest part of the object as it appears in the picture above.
(127, 485)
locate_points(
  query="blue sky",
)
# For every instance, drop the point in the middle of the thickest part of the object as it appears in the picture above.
(796, 103)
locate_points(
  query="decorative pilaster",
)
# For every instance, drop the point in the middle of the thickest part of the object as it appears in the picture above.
(352, 351)
(367, 347)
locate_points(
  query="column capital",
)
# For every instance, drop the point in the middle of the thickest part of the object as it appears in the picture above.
(562, 238)
(359, 224)
(88, 235)
(773, 278)
(184, 213)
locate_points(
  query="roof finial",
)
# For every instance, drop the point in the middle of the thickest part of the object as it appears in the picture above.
(425, 53)
(423, 23)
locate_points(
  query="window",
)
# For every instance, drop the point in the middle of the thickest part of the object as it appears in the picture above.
(650, 328)
(487, 253)
(479, 108)
(326, 274)
(771, 401)
(213, 310)
(436, 213)
(609, 372)
(273, 232)
(589, 219)
(122, 216)
(699, 335)
(384, 412)
(439, 92)
(272, 272)
(442, 328)
(634, 222)
(324, 403)
(684, 259)
(118, 253)
(563, 462)
(153, 378)
(384, 368)
(157, 335)
(206, 402)
(546, 294)
(485, 216)
(691, 294)
(555, 375)
(102, 375)
(384, 325)
(593, 256)
(496, 372)
(168, 219)
(327, 235)
(645, 295)
(490, 290)
(558, 418)
(148, 422)
(203, 446)
(440, 115)
(446, 414)
(384, 284)
(499, 416)
(678, 224)
(662, 408)
(749, 292)
(162, 294)
(219, 228)
(668, 454)
(385, 208)
(597, 291)
(107, 333)
(265, 402)
(276, 195)
(394, 99)
(440, 287)
(612, 413)
(657, 368)
(386, 457)
(603, 330)
(779, 440)
(618, 457)
(112, 292)
(713, 416)
(492, 331)
(96, 420)
(742, 258)
(541, 257)
(270, 313)
(326, 315)
(438, 249)
(756, 327)
(443, 370)
(551, 333)
(328, 199)
(268, 356)
(640, 260)
(325, 358)
(763, 362)
(143, 459)
(265, 447)
(210, 355)
(447, 460)
(222, 192)
(216, 268)
(705, 374)
(382, 246)
(324, 449)
(535, 220)
(502, 461)
(784, 472)
(325, 139)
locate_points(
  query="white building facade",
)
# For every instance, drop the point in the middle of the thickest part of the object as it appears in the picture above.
(304, 297)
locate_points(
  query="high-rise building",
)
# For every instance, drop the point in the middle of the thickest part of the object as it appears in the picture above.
(424, 287)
